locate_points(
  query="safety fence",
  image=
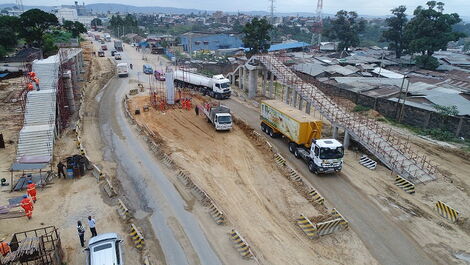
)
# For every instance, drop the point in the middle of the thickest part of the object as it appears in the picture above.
(334, 222)
(446, 211)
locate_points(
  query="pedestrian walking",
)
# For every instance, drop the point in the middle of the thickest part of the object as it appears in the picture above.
(31, 190)
(60, 169)
(92, 225)
(81, 233)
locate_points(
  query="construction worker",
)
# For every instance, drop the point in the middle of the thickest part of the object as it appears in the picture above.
(27, 206)
(196, 109)
(130, 65)
(31, 189)
(60, 169)
(4, 248)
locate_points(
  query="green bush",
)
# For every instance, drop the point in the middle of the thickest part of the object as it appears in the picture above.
(427, 62)
(360, 108)
(441, 135)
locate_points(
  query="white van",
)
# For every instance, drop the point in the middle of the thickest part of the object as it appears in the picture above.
(122, 70)
(105, 249)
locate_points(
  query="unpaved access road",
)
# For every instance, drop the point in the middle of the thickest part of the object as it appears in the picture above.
(178, 230)
(387, 241)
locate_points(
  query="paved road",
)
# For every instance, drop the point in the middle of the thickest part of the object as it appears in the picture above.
(179, 233)
(386, 241)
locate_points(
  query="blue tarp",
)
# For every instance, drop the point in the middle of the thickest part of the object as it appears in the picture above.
(3, 75)
(143, 44)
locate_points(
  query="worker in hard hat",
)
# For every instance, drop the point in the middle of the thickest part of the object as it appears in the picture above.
(27, 206)
(31, 189)
(4, 248)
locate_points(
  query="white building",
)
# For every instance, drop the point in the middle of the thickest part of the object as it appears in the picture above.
(65, 13)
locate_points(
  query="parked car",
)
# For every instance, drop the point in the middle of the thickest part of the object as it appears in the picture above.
(105, 249)
(147, 69)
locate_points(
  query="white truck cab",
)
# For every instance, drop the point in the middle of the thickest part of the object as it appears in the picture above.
(221, 85)
(105, 249)
(326, 155)
(223, 121)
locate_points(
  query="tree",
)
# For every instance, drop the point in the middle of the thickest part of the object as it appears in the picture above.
(96, 22)
(9, 27)
(396, 32)
(345, 28)
(33, 24)
(74, 27)
(257, 37)
(447, 110)
(430, 30)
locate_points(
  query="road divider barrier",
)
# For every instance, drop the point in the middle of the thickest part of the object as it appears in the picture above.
(308, 227)
(446, 211)
(314, 196)
(367, 162)
(167, 160)
(329, 227)
(123, 211)
(405, 184)
(240, 244)
(215, 212)
(280, 161)
(313, 230)
(293, 175)
(109, 188)
(137, 237)
(97, 172)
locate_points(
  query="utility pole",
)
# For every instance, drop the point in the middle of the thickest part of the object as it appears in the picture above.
(318, 25)
(272, 11)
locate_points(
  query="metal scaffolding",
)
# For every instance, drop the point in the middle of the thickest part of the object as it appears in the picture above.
(394, 152)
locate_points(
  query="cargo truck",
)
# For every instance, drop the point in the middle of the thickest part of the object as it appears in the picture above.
(118, 45)
(303, 134)
(218, 115)
(122, 70)
(217, 86)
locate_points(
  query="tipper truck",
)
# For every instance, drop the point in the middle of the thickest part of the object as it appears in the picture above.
(217, 86)
(118, 45)
(303, 133)
(218, 115)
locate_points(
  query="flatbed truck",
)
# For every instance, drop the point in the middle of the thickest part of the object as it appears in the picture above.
(218, 115)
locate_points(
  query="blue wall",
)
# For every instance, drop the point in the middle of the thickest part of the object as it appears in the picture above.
(211, 42)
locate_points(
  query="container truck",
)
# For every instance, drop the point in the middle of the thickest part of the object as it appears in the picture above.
(217, 86)
(303, 134)
(118, 45)
(122, 70)
(218, 115)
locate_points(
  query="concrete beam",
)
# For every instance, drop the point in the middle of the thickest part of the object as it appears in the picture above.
(271, 85)
(335, 132)
(307, 107)
(265, 81)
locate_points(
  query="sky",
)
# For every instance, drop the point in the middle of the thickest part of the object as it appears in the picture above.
(364, 7)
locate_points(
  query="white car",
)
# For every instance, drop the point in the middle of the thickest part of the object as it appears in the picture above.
(117, 56)
(105, 249)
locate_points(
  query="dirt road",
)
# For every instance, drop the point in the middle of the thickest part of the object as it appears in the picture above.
(384, 238)
(181, 237)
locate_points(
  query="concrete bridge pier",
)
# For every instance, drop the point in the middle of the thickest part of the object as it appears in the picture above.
(346, 140)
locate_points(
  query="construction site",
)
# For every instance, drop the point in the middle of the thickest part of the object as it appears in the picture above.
(259, 166)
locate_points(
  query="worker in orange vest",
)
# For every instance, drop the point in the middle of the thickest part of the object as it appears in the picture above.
(27, 206)
(31, 189)
(4, 248)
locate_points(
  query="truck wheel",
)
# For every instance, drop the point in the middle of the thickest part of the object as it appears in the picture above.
(296, 153)
(263, 127)
(292, 147)
(272, 133)
(311, 167)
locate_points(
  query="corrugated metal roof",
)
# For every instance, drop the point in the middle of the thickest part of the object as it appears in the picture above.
(312, 69)
(288, 45)
(387, 73)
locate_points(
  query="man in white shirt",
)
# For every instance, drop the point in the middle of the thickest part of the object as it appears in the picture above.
(92, 225)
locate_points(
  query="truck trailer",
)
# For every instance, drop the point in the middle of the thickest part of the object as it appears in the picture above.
(303, 133)
(218, 115)
(217, 86)
(118, 45)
